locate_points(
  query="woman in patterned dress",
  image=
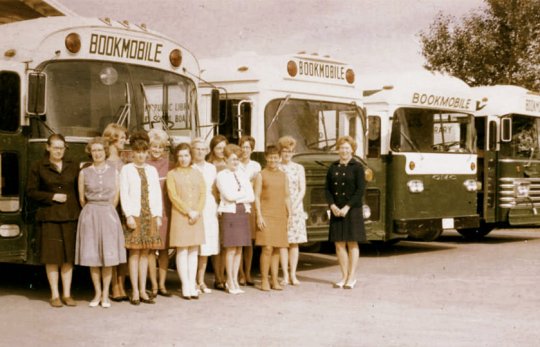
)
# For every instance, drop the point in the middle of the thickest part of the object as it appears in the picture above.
(187, 192)
(142, 204)
(159, 158)
(100, 238)
(297, 224)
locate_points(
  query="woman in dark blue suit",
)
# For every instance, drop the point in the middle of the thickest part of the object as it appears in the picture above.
(345, 186)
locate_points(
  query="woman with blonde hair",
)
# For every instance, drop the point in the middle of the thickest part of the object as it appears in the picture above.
(297, 223)
(344, 188)
(210, 247)
(159, 158)
(116, 135)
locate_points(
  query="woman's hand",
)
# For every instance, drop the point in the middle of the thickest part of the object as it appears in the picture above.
(193, 217)
(260, 223)
(130, 222)
(158, 222)
(343, 212)
(61, 198)
(335, 210)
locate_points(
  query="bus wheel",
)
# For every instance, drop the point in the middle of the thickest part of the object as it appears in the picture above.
(476, 233)
(310, 247)
(387, 243)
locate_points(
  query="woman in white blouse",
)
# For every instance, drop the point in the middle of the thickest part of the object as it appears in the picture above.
(140, 194)
(236, 196)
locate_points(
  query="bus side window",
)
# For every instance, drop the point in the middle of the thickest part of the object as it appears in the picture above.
(374, 137)
(9, 182)
(10, 104)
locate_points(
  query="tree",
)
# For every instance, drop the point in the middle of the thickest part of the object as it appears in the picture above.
(496, 44)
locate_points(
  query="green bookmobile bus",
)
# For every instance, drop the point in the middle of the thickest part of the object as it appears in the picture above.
(422, 152)
(508, 125)
(74, 75)
(309, 97)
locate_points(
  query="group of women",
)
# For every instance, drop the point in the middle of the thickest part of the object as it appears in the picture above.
(209, 202)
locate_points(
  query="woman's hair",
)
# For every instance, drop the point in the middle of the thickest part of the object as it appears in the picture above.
(181, 147)
(287, 142)
(346, 139)
(56, 137)
(97, 140)
(231, 149)
(213, 143)
(139, 141)
(247, 138)
(112, 132)
(159, 137)
(271, 150)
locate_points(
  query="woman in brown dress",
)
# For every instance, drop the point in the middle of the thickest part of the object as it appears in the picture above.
(52, 184)
(187, 192)
(273, 210)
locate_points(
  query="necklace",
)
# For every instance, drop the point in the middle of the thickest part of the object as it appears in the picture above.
(102, 170)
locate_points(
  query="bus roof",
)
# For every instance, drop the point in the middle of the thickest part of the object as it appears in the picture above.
(506, 99)
(19, 10)
(421, 89)
(302, 73)
(43, 39)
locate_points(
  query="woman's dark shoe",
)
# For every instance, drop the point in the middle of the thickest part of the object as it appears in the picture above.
(186, 297)
(135, 302)
(153, 294)
(250, 283)
(148, 301)
(164, 292)
(219, 285)
(119, 298)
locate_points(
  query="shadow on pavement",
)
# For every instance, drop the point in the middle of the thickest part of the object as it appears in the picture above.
(497, 236)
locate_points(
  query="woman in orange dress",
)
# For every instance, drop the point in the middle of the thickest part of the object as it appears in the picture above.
(273, 210)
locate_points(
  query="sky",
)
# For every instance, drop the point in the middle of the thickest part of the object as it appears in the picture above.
(375, 36)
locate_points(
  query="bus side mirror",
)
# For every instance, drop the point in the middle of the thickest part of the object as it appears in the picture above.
(506, 130)
(37, 83)
(395, 138)
(215, 106)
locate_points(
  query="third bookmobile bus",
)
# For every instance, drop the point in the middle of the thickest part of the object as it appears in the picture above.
(309, 97)
(74, 75)
(508, 126)
(422, 153)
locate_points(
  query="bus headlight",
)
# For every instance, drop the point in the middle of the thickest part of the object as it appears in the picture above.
(415, 186)
(470, 185)
(521, 188)
(366, 211)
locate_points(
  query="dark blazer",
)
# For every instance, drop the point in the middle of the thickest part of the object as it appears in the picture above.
(44, 181)
(345, 184)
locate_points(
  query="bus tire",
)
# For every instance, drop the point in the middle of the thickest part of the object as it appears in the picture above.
(476, 233)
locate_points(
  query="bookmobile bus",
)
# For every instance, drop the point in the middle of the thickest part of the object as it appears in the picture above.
(508, 128)
(311, 98)
(421, 150)
(73, 76)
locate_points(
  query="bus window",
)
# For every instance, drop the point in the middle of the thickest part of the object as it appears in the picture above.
(374, 137)
(10, 91)
(9, 183)
(420, 130)
(228, 119)
(492, 136)
(525, 141)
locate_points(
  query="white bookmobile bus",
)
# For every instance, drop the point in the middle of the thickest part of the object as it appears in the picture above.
(74, 75)
(508, 128)
(311, 98)
(421, 150)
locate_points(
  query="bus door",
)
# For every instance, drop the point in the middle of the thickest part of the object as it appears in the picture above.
(234, 119)
(486, 141)
(376, 189)
(13, 167)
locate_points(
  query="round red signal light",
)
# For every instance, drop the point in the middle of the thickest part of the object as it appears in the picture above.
(73, 43)
(292, 69)
(349, 76)
(175, 57)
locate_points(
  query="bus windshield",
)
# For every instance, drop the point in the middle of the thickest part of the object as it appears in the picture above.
(525, 139)
(315, 125)
(432, 131)
(84, 96)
